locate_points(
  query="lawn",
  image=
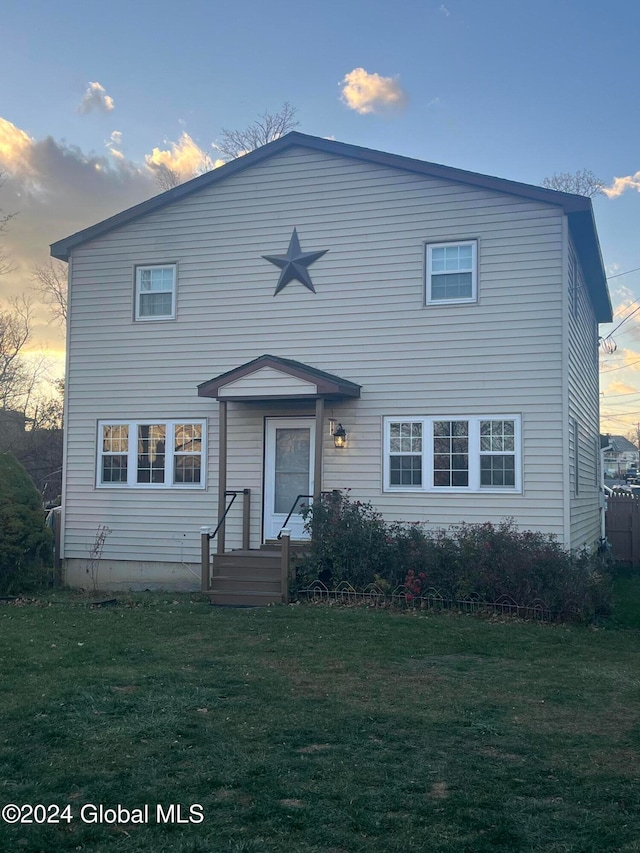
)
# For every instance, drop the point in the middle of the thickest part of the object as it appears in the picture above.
(307, 728)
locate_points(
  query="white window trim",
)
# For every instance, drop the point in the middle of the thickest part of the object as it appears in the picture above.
(474, 272)
(132, 453)
(158, 317)
(474, 454)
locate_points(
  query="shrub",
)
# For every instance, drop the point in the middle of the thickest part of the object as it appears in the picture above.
(25, 541)
(350, 542)
(492, 561)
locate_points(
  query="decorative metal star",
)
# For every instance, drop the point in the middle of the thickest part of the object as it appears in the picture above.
(294, 264)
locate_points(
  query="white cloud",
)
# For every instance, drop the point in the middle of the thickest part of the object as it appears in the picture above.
(185, 158)
(96, 98)
(620, 185)
(442, 8)
(113, 145)
(372, 93)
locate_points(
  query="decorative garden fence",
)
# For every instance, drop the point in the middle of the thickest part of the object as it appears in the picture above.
(432, 599)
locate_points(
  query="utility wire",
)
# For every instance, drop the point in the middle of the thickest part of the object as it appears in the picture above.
(621, 367)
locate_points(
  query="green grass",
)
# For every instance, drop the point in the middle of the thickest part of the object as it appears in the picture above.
(626, 600)
(321, 729)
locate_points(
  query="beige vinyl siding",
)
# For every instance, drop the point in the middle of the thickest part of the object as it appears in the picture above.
(584, 409)
(268, 382)
(367, 322)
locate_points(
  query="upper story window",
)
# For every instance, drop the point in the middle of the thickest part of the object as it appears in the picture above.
(156, 292)
(452, 275)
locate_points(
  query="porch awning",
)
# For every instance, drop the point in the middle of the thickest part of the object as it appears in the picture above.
(270, 377)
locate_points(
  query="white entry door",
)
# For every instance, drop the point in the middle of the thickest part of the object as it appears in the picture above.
(288, 472)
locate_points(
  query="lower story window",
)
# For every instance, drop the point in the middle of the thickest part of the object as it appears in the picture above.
(453, 453)
(151, 453)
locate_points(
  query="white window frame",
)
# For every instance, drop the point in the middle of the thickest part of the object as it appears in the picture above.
(149, 318)
(467, 300)
(474, 454)
(132, 453)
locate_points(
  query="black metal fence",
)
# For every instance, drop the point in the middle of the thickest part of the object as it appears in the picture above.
(431, 599)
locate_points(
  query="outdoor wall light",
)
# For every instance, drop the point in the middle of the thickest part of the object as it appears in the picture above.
(339, 436)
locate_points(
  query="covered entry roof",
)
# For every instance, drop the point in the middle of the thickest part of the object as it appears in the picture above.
(270, 377)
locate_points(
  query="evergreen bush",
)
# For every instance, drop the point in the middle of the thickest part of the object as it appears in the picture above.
(25, 541)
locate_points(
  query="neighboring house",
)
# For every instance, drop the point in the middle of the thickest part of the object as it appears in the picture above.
(620, 455)
(447, 321)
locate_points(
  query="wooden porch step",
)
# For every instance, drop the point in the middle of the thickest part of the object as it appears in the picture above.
(296, 546)
(247, 563)
(249, 578)
(246, 583)
(242, 599)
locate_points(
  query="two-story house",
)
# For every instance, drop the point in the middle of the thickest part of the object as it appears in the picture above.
(227, 334)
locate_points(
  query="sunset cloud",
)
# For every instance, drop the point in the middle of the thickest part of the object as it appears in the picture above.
(96, 98)
(15, 148)
(371, 93)
(185, 158)
(55, 190)
(621, 185)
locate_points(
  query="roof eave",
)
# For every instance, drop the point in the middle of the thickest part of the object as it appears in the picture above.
(568, 201)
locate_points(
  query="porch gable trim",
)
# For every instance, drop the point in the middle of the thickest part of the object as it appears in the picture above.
(315, 384)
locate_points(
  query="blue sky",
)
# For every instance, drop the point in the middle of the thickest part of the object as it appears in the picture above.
(509, 88)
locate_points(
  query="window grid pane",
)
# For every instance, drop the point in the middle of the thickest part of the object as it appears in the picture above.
(187, 464)
(115, 444)
(458, 286)
(405, 449)
(186, 469)
(114, 469)
(497, 454)
(151, 453)
(451, 453)
(155, 304)
(497, 470)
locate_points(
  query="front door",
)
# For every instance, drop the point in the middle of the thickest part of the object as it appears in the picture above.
(288, 472)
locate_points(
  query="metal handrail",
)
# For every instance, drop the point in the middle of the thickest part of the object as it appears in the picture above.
(291, 511)
(235, 494)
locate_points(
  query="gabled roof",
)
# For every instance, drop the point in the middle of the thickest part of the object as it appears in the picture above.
(308, 383)
(578, 208)
(620, 444)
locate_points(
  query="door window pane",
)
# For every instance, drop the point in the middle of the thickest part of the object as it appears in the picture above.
(292, 462)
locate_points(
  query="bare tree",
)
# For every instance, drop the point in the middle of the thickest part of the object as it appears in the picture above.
(19, 375)
(51, 285)
(266, 128)
(165, 177)
(582, 182)
(5, 264)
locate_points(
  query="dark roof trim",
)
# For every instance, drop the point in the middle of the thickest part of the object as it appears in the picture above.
(329, 386)
(571, 204)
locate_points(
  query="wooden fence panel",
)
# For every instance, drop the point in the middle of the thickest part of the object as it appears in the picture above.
(622, 527)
